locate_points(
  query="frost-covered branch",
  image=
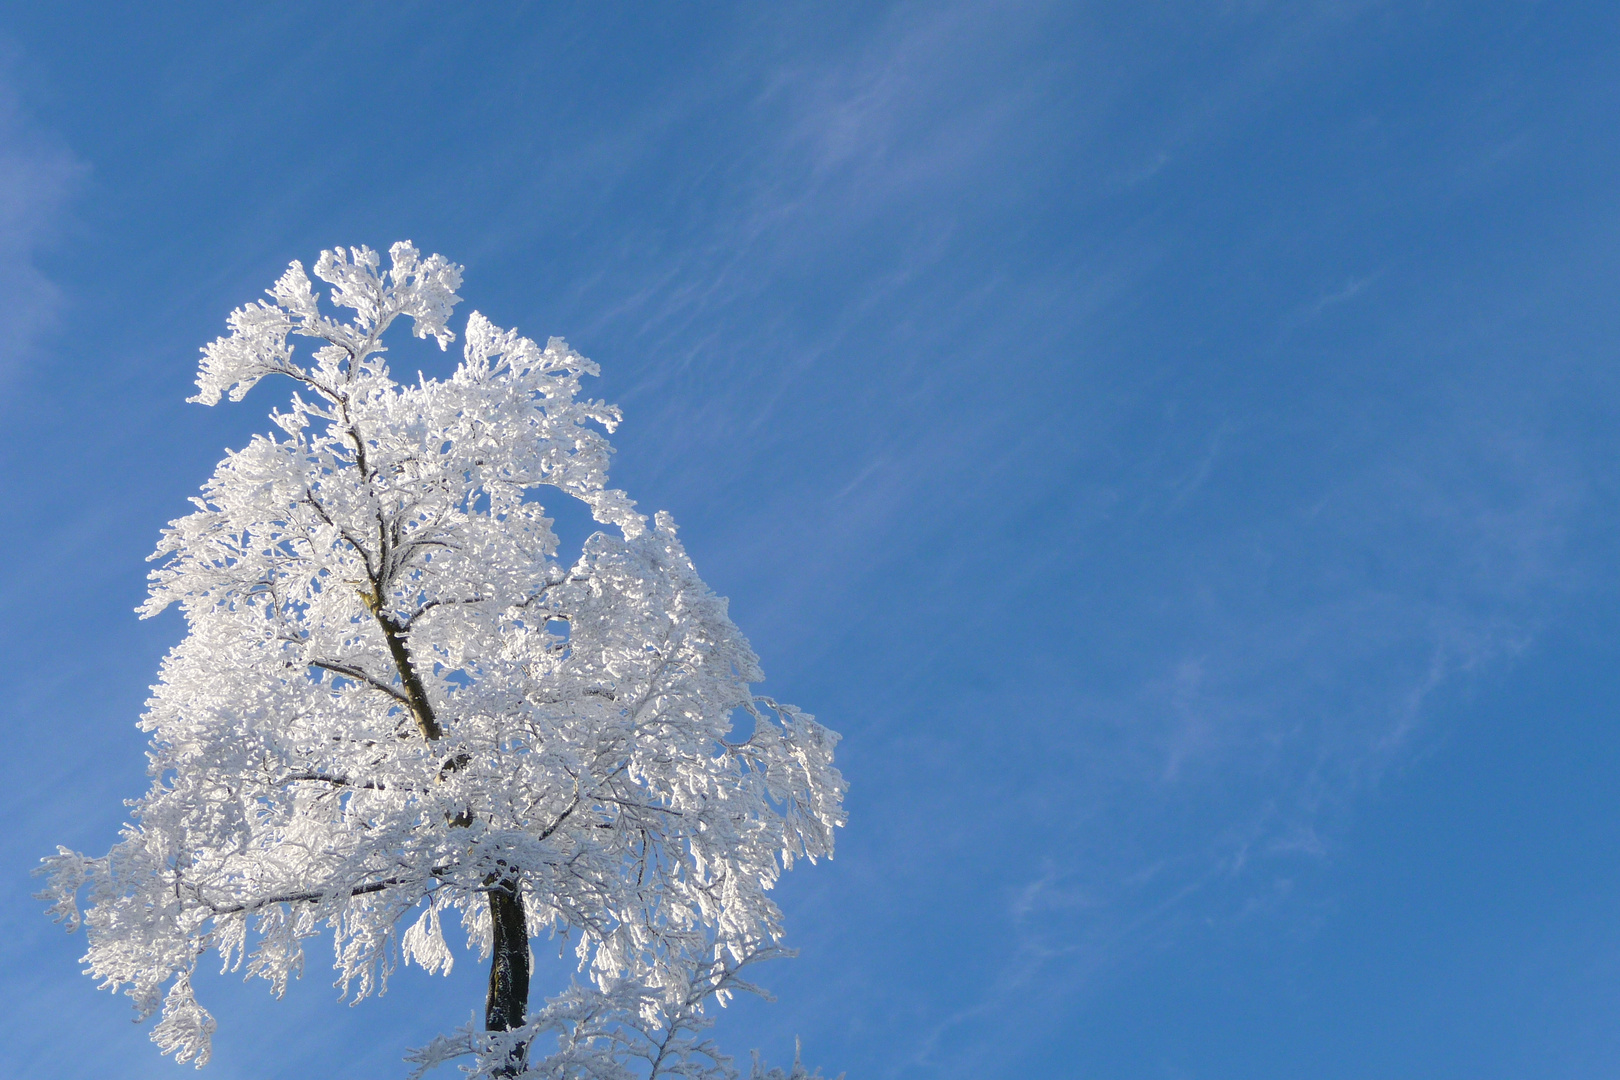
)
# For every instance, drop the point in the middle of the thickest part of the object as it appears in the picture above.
(591, 1031)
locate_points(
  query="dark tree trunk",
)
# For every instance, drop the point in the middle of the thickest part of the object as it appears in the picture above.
(507, 1005)
(508, 1000)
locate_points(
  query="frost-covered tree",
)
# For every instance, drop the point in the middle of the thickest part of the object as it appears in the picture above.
(396, 703)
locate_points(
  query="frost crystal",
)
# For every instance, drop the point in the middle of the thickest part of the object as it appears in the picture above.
(397, 703)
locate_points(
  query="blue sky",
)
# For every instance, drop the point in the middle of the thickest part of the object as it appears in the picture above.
(1175, 444)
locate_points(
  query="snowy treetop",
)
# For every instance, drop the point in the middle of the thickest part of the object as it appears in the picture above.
(396, 695)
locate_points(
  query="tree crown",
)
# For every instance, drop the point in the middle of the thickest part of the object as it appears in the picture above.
(396, 703)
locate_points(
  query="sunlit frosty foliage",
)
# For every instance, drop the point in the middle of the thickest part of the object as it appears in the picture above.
(396, 696)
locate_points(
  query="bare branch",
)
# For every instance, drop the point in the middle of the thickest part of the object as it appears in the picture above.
(349, 671)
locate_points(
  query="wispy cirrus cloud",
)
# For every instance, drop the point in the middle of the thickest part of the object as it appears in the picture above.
(39, 175)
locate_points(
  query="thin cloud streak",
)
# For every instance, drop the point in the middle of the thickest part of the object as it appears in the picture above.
(38, 178)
